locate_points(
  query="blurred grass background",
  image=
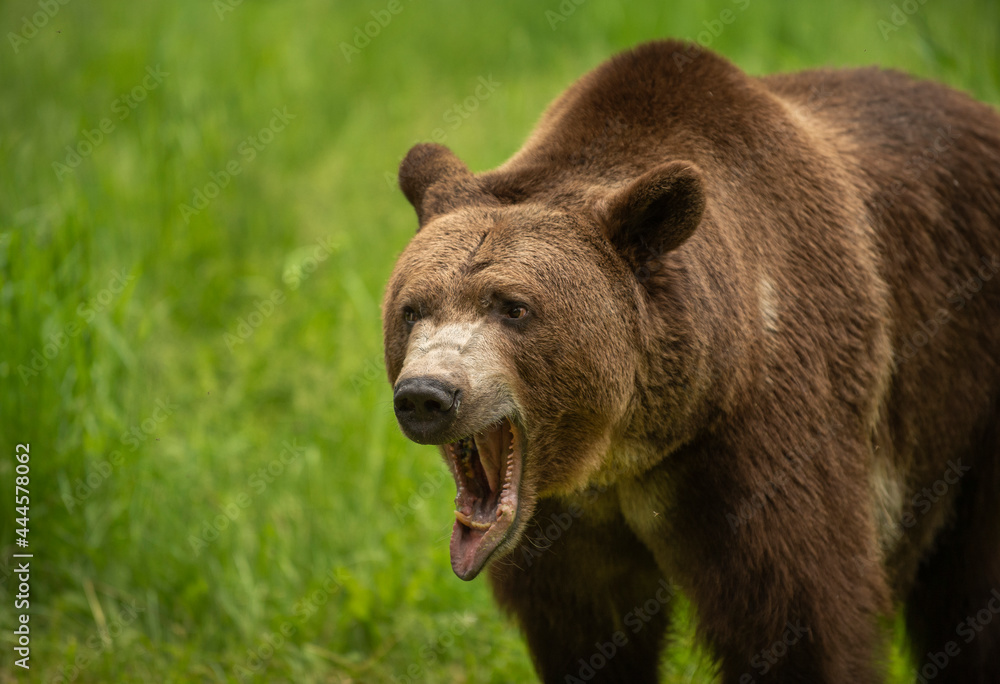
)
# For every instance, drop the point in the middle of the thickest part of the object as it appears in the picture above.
(219, 491)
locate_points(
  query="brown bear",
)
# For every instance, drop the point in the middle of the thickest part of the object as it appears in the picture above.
(730, 336)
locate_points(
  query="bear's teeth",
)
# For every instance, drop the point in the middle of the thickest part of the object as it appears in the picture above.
(470, 523)
(488, 444)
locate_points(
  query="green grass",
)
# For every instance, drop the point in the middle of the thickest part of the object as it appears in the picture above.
(343, 542)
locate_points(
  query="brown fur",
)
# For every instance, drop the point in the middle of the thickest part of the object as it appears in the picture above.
(723, 379)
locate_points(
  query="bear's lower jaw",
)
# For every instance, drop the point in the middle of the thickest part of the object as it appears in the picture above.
(487, 469)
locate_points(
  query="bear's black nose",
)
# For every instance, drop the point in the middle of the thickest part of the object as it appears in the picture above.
(425, 408)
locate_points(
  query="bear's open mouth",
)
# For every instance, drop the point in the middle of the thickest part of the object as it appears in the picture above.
(487, 470)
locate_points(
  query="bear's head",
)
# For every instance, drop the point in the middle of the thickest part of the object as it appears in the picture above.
(514, 333)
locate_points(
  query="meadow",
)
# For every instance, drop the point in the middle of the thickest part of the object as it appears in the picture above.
(198, 214)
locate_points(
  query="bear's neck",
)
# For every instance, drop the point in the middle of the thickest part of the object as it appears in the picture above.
(694, 367)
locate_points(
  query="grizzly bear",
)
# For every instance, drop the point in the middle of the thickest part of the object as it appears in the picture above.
(727, 336)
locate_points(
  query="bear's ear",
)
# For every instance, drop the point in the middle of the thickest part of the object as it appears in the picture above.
(435, 182)
(656, 212)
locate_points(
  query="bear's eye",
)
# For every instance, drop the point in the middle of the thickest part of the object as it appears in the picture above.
(515, 310)
(410, 315)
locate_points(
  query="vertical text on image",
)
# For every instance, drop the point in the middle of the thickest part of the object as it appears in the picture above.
(22, 634)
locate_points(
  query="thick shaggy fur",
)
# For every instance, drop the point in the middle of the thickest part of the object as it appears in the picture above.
(766, 367)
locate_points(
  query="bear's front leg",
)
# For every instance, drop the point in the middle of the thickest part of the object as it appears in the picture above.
(776, 551)
(587, 594)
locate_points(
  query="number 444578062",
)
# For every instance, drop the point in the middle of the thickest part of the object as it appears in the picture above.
(23, 454)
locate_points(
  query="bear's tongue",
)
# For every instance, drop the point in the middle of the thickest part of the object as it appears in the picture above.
(487, 471)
